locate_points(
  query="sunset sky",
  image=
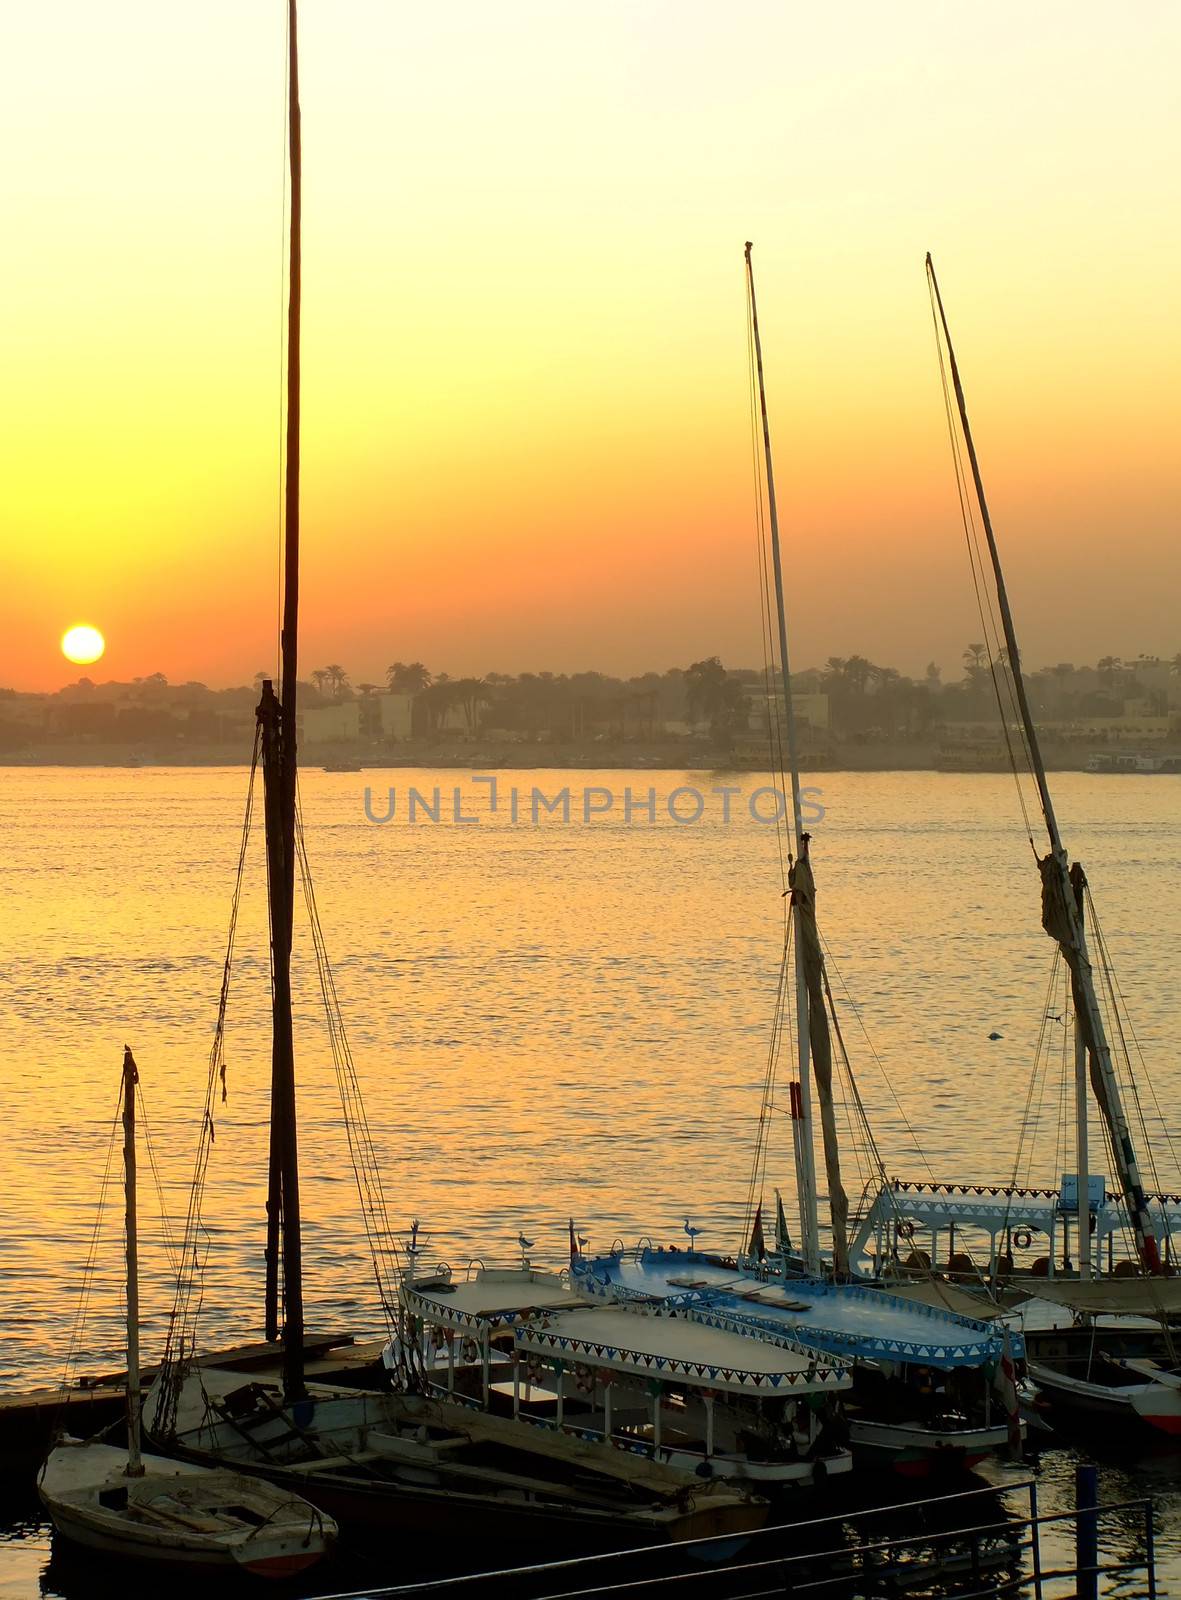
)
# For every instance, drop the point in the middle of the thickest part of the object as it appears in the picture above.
(525, 393)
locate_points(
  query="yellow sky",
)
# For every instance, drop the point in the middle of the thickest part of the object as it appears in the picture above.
(526, 438)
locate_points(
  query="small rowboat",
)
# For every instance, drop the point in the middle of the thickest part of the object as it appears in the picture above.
(180, 1514)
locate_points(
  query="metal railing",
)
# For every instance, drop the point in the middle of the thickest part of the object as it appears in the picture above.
(976, 1560)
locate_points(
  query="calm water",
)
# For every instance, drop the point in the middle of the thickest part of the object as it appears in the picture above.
(567, 1018)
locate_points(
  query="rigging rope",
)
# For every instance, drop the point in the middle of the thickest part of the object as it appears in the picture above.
(1124, 1017)
(82, 1308)
(777, 686)
(383, 1247)
(776, 731)
(984, 603)
(185, 1314)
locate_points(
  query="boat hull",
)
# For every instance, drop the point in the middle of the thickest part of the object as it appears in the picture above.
(180, 1514)
(916, 1452)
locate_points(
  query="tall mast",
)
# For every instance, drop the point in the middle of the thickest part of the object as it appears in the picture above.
(278, 719)
(813, 1048)
(1061, 917)
(1081, 1141)
(135, 1468)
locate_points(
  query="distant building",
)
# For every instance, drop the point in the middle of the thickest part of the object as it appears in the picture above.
(334, 724)
(809, 710)
(1128, 729)
(395, 715)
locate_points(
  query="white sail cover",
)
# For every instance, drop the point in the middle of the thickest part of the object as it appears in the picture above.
(1148, 1297)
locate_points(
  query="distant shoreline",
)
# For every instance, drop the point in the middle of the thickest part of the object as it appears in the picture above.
(481, 755)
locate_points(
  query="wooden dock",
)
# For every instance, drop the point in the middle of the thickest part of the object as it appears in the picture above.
(29, 1421)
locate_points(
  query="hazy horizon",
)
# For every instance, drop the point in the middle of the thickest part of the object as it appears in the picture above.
(951, 671)
(525, 387)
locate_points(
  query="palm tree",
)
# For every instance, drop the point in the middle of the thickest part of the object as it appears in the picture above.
(338, 678)
(471, 693)
(438, 698)
(408, 678)
(858, 671)
(320, 678)
(1107, 668)
(703, 688)
(974, 658)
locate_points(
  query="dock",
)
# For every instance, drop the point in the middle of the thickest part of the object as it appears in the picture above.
(29, 1421)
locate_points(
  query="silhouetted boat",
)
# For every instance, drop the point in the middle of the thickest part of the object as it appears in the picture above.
(923, 1393)
(373, 1457)
(1080, 1370)
(147, 1507)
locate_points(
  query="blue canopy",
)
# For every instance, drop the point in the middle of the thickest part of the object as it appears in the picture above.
(847, 1319)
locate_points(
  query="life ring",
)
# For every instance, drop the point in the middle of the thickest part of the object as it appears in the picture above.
(905, 1230)
(1023, 1238)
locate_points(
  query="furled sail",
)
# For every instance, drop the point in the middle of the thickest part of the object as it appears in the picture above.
(1147, 1296)
(1057, 923)
(803, 900)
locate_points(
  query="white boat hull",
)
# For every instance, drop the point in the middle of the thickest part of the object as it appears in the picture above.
(915, 1451)
(179, 1514)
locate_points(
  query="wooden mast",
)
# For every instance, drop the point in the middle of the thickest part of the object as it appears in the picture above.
(1057, 882)
(806, 1160)
(135, 1466)
(278, 719)
(1081, 1141)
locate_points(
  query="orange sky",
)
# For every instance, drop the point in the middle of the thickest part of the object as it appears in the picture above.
(526, 438)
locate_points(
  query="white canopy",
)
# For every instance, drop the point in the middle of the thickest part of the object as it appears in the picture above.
(692, 1352)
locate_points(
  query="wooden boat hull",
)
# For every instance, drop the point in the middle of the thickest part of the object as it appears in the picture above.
(180, 1514)
(376, 1507)
(354, 1454)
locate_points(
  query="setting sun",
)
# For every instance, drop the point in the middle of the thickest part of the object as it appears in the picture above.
(82, 645)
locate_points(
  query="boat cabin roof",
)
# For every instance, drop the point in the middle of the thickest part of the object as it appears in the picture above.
(492, 1296)
(695, 1353)
(851, 1320)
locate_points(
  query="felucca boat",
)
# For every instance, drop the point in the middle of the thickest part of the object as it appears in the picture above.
(923, 1375)
(374, 1456)
(1117, 1362)
(146, 1507)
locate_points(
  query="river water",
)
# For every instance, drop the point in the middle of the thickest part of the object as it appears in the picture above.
(558, 1007)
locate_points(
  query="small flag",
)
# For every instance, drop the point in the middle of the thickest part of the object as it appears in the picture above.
(782, 1237)
(758, 1245)
(1005, 1383)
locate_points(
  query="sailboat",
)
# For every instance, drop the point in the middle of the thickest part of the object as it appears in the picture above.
(922, 1390)
(145, 1507)
(1091, 1369)
(374, 1456)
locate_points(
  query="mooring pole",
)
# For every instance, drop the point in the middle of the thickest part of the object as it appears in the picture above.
(1086, 1532)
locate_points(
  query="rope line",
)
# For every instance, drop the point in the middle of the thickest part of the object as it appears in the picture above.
(984, 603)
(383, 1247)
(188, 1297)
